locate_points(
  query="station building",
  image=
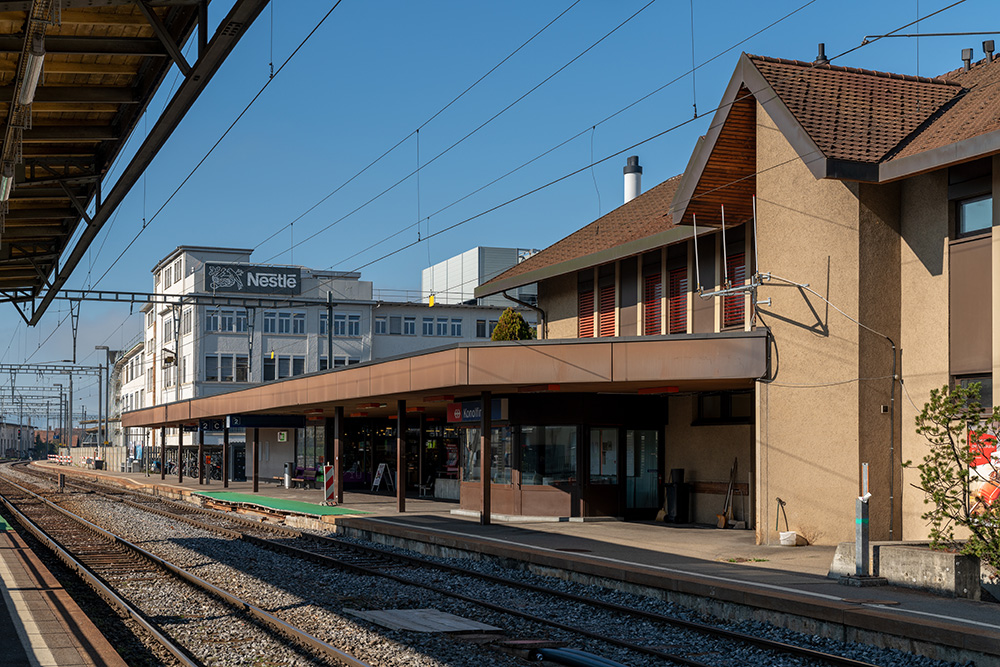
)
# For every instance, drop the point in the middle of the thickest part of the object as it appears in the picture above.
(769, 322)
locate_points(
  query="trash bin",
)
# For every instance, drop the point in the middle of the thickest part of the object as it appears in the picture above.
(98, 465)
(289, 473)
(136, 466)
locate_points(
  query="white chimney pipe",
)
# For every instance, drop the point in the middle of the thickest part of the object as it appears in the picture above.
(633, 178)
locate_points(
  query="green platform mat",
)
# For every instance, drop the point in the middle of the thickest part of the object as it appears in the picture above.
(279, 504)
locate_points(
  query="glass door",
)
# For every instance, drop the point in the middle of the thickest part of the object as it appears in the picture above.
(641, 469)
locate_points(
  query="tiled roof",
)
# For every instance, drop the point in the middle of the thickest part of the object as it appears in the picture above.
(853, 114)
(973, 112)
(643, 216)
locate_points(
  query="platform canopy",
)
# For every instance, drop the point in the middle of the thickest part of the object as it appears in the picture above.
(75, 78)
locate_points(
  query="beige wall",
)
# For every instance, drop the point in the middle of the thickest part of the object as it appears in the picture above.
(924, 331)
(807, 435)
(706, 453)
(878, 309)
(558, 297)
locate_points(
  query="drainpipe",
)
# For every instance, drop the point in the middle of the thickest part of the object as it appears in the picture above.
(542, 323)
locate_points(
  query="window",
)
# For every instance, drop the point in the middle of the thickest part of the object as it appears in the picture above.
(168, 328)
(227, 320)
(381, 325)
(395, 325)
(212, 320)
(492, 326)
(167, 275)
(178, 272)
(428, 326)
(270, 322)
(442, 326)
(652, 295)
(501, 445)
(156, 278)
(150, 319)
(298, 365)
(724, 407)
(456, 327)
(242, 368)
(985, 382)
(324, 363)
(284, 323)
(975, 215)
(284, 367)
(733, 304)
(409, 326)
(480, 328)
(548, 454)
(226, 368)
(241, 322)
(585, 314)
(183, 374)
(186, 322)
(677, 301)
(269, 367)
(299, 323)
(340, 324)
(353, 324)
(324, 323)
(603, 456)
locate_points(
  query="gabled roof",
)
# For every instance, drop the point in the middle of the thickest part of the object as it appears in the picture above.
(856, 124)
(633, 227)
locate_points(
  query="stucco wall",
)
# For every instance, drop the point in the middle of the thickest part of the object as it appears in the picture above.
(924, 338)
(878, 309)
(558, 298)
(807, 434)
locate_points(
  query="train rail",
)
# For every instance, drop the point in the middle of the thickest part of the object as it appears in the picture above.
(414, 571)
(112, 564)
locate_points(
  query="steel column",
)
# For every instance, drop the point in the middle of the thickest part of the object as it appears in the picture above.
(401, 456)
(225, 456)
(201, 455)
(256, 461)
(338, 452)
(486, 453)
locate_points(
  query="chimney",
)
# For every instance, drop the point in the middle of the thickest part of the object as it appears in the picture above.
(633, 178)
(967, 58)
(988, 50)
(821, 58)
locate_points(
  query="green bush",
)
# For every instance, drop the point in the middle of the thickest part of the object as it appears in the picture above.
(951, 419)
(512, 326)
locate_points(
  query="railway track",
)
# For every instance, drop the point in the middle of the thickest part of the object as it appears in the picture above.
(493, 593)
(125, 575)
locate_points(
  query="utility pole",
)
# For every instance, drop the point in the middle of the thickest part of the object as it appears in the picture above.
(102, 435)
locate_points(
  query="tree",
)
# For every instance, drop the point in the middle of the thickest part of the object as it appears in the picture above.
(512, 326)
(962, 438)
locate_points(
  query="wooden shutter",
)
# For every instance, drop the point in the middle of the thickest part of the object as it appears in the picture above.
(585, 316)
(733, 304)
(607, 311)
(677, 297)
(651, 295)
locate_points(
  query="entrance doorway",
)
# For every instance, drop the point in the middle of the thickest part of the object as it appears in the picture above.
(642, 471)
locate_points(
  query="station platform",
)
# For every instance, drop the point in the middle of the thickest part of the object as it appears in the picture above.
(782, 584)
(40, 623)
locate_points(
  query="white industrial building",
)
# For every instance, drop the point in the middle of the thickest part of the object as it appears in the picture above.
(454, 280)
(192, 351)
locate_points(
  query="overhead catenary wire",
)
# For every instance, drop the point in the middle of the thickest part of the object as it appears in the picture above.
(421, 126)
(471, 133)
(219, 140)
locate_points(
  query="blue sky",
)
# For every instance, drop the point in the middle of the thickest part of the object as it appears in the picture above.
(374, 72)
